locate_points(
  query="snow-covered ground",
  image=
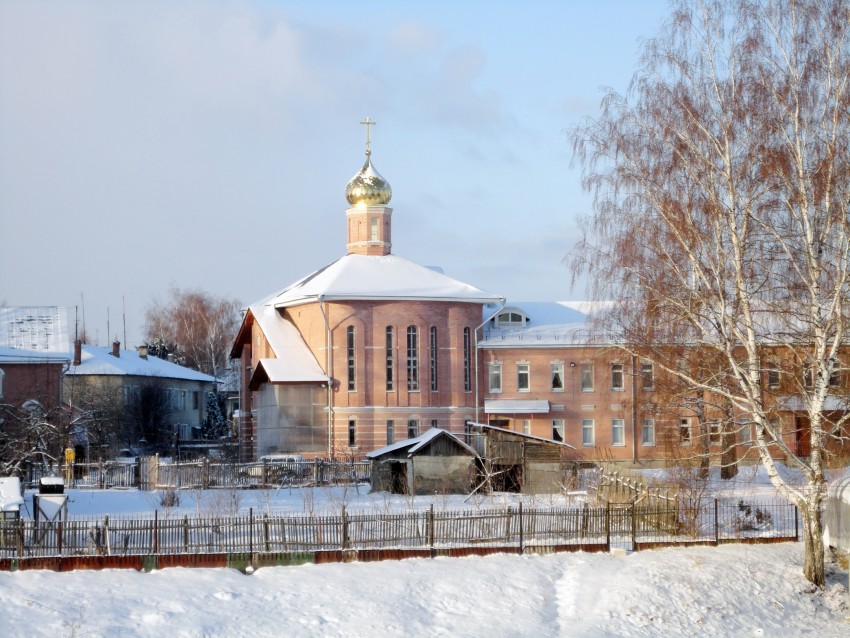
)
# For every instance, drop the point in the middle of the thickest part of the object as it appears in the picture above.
(731, 590)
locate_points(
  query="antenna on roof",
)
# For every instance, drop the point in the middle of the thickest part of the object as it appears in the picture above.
(108, 331)
(83, 303)
(124, 319)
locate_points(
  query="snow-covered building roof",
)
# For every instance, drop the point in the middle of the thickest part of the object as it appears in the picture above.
(100, 361)
(295, 362)
(419, 442)
(380, 277)
(546, 324)
(34, 334)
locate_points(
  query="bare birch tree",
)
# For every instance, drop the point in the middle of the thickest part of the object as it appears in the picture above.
(196, 326)
(721, 184)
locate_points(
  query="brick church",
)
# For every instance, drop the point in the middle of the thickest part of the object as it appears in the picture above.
(373, 349)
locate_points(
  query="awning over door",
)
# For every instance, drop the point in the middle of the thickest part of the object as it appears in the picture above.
(516, 406)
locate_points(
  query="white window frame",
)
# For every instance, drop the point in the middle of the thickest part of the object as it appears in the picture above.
(685, 426)
(588, 428)
(558, 428)
(526, 426)
(494, 370)
(647, 433)
(647, 376)
(618, 370)
(618, 433)
(523, 369)
(557, 371)
(715, 432)
(586, 369)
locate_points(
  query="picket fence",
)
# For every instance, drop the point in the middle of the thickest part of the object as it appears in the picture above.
(629, 526)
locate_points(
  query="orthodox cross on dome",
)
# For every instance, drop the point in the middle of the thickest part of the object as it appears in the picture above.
(368, 122)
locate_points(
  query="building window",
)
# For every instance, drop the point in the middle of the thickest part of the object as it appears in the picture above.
(352, 433)
(773, 379)
(390, 432)
(523, 380)
(587, 377)
(808, 376)
(373, 229)
(558, 430)
(647, 375)
(835, 375)
(1, 383)
(744, 431)
(510, 319)
(685, 431)
(412, 358)
(182, 399)
(617, 381)
(714, 432)
(349, 345)
(196, 400)
(434, 350)
(618, 432)
(434, 423)
(467, 360)
(412, 429)
(587, 434)
(647, 435)
(495, 377)
(558, 376)
(390, 360)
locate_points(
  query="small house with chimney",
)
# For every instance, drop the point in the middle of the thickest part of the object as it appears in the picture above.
(126, 399)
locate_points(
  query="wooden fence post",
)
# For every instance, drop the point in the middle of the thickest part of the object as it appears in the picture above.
(344, 528)
(796, 524)
(521, 531)
(508, 526)
(186, 533)
(59, 534)
(431, 527)
(155, 532)
(634, 526)
(716, 525)
(608, 525)
(250, 530)
(266, 532)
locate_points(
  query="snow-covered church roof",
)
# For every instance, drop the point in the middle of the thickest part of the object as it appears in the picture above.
(385, 277)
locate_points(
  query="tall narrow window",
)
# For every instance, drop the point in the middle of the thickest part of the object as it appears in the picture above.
(412, 429)
(412, 358)
(349, 344)
(808, 376)
(714, 432)
(526, 426)
(617, 381)
(435, 423)
(352, 433)
(618, 432)
(523, 377)
(390, 360)
(495, 377)
(773, 379)
(373, 229)
(684, 431)
(587, 377)
(558, 430)
(390, 432)
(434, 361)
(647, 375)
(467, 360)
(647, 435)
(558, 376)
(587, 434)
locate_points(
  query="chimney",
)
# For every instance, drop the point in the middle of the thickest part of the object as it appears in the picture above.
(78, 352)
(143, 352)
(116, 348)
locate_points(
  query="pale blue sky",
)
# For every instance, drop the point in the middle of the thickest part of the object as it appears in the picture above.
(208, 144)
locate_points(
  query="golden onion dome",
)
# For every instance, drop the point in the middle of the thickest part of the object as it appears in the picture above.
(368, 187)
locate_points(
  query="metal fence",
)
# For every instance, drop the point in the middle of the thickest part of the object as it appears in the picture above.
(152, 473)
(630, 526)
